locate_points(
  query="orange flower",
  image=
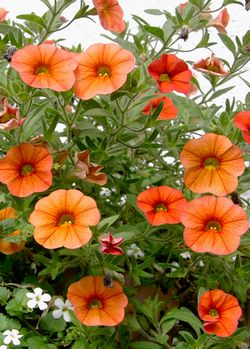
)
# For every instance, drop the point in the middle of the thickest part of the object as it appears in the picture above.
(213, 225)
(88, 171)
(211, 66)
(63, 219)
(26, 169)
(212, 164)
(3, 14)
(9, 117)
(220, 22)
(220, 311)
(95, 304)
(242, 121)
(7, 247)
(169, 110)
(170, 73)
(110, 14)
(45, 66)
(102, 69)
(161, 205)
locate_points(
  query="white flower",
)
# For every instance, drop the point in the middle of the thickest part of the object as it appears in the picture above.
(201, 264)
(175, 264)
(3, 346)
(63, 309)
(185, 255)
(135, 251)
(11, 336)
(38, 299)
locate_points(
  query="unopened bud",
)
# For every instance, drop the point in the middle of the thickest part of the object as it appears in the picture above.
(184, 32)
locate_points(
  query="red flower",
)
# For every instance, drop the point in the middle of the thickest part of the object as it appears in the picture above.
(242, 121)
(170, 73)
(169, 110)
(110, 14)
(162, 205)
(10, 116)
(220, 312)
(110, 245)
(213, 225)
(211, 66)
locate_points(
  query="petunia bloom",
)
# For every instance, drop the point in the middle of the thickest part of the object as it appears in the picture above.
(242, 121)
(169, 110)
(10, 116)
(26, 169)
(63, 219)
(213, 225)
(8, 247)
(45, 66)
(110, 14)
(211, 66)
(170, 74)
(95, 304)
(102, 69)
(212, 164)
(110, 244)
(3, 14)
(161, 205)
(220, 312)
(220, 22)
(88, 171)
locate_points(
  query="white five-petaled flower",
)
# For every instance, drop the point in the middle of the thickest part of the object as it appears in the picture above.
(135, 251)
(11, 336)
(63, 309)
(38, 299)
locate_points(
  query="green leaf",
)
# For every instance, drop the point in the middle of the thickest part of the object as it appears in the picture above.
(107, 222)
(154, 12)
(81, 343)
(155, 31)
(227, 2)
(34, 19)
(218, 93)
(228, 43)
(145, 345)
(3, 322)
(4, 295)
(52, 325)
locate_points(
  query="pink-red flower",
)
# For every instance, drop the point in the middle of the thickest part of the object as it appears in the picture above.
(3, 14)
(102, 69)
(161, 205)
(213, 225)
(45, 66)
(242, 121)
(211, 66)
(170, 74)
(110, 14)
(95, 304)
(10, 116)
(212, 164)
(26, 169)
(110, 244)
(169, 110)
(220, 312)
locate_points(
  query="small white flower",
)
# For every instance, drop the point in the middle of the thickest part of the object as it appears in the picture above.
(234, 258)
(185, 255)
(63, 309)
(11, 336)
(201, 264)
(175, 264)
(3, 346)
(38, 299)
(135, 251)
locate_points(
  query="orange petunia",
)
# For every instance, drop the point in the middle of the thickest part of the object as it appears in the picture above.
(161, 205)
(220, 312)
(170, 73)
(220, 22)
(45, 66)
(10, 116)
(169, 110)
(63, 219)
(26, 169)
(102, 69)
(110, 14)
(213, 225)
(8, 247)
(242, 121)
(96, 304)
(212, 164)
(3, 14)
(211, 66)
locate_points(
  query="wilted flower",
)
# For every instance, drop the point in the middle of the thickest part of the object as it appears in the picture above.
(38, 299)
(12, 336)
(110, 244)
(220, 22)
(211, 66)
(10, 116)
(63, 309)
(135, 251)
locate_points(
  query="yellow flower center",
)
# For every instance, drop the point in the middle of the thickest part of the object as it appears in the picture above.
(104, 71)
(213, 312)
(6, 117)
(213, 226)
(164, 77)
(95, 303)
(42, 70)
(27, 170)
(214, 68)
(66, 219)
(160, 207)
(211, 163)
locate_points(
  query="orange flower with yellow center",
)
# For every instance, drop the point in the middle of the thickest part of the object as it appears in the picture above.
(63, 219)
(212, 164)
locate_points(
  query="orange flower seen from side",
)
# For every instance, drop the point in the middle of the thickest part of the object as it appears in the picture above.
(171, 74)
(161, 205)
(110, 14)
(242, 121)
(96, 304)
(211, 66)
(63, 219)
(213, 225)
(220, 312)
(26, 169)
(212, 164)
(10, 116)
(102, 69)
(220, 22)
(3, 14)
(45, 66)
(8, 247)
(169, 110)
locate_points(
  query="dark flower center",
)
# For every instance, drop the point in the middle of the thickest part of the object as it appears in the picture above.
(164, 77)
(211, 163)
(213, 312)
(66, 219)
(41, 70)
(27, 170)
(160, 207)
(213, 226)
(103, 71)
(95, 303)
